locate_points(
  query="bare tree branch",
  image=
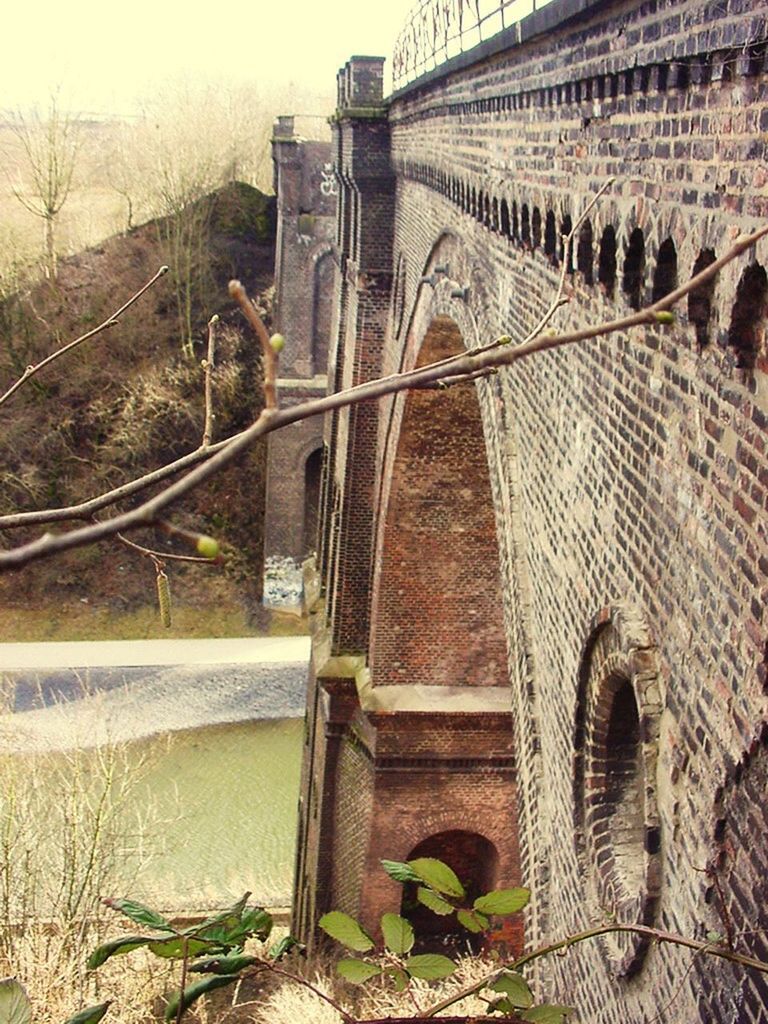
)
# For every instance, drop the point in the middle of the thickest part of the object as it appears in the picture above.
(468, 363)
(208, 370)
(109, 322)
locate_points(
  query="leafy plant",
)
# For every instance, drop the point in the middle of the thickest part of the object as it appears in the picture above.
(440, 890)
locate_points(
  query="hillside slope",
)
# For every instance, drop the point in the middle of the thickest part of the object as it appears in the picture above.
(127, 401)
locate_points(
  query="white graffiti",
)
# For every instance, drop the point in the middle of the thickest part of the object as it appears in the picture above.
(329, 186)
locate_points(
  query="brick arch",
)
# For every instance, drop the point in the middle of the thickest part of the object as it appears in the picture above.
(615, 741)
(437, 597)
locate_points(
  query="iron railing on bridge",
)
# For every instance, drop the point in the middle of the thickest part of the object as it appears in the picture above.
(437, 30)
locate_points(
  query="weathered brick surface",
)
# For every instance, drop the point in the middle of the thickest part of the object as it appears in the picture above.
(305, 272)
(628, 471)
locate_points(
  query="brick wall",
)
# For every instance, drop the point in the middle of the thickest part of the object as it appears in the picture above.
(626, 472)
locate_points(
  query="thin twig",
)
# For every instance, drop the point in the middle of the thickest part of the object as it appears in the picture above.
(272, 418)
(268, 354)
(109, 322)
(313, 988)
(653, 934)
(208, 370)
(163, 555)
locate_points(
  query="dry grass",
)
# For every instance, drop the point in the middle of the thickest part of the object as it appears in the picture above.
(292, 1001)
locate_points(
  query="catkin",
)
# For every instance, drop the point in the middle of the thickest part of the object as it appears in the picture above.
(164, 598)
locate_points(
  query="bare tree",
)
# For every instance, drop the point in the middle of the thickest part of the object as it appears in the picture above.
(50, 144)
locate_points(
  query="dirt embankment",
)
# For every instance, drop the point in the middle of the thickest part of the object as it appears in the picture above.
(127, 401)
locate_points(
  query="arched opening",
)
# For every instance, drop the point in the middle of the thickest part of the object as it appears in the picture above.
(748, 317)
(606, 270)
(505, 227)
(515, 222)
(634, 269)
(486, 211)
(312, 476)
(584, 252)
(473, 202)
(665, 274)
(475, 861)
(438, 593)
(700, 298)
(495, 214)
(480, 210)
(550, 240)
(322, 311)
(536, 228)
(525, 226)
(566, 227)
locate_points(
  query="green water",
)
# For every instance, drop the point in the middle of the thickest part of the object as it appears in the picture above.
(230, 793)
(185, 821)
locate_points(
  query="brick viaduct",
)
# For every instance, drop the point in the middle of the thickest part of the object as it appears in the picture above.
(539, 598)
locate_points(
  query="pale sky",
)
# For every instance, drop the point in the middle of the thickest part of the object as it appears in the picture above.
(102, 56)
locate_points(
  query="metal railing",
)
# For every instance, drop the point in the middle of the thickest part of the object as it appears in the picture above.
(437, 30)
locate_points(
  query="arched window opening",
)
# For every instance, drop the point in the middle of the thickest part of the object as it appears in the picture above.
(634, 269)
(312, 474)
(473, 202)
(606, 270)
(322, 311)
(550, 241)
(486, 218)
(700, 299)
(495, 214)
(584, 252)
(748, 318)
(621, 782)
(475, 861)
(565, 229)
(665, 275)
(525, 231)
(536, 228)
(505, 227)
(515, 222)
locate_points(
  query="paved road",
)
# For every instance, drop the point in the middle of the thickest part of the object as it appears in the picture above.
(83, 694)
(126, 653)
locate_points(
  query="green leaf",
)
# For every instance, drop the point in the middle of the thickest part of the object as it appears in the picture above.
(233, 931)
(397, 932)
(346, 930)
(140, 914)
(502, 901)
(14, 1003)
(278, 951)
(91, 1015)
(501, 1005)
(473, 921)
(223, 964)
(435, 903)
(194, 991)
(438, 875)
(515, 987)
(228, 918)
(115, 947)
(357, 971)
(400, 871)
(546, 1014)
(429, 966)
(399, 977)
(176, 947)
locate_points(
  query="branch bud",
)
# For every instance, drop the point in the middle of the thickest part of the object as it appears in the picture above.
(665, 316)
(277, 343)
(207, 547)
